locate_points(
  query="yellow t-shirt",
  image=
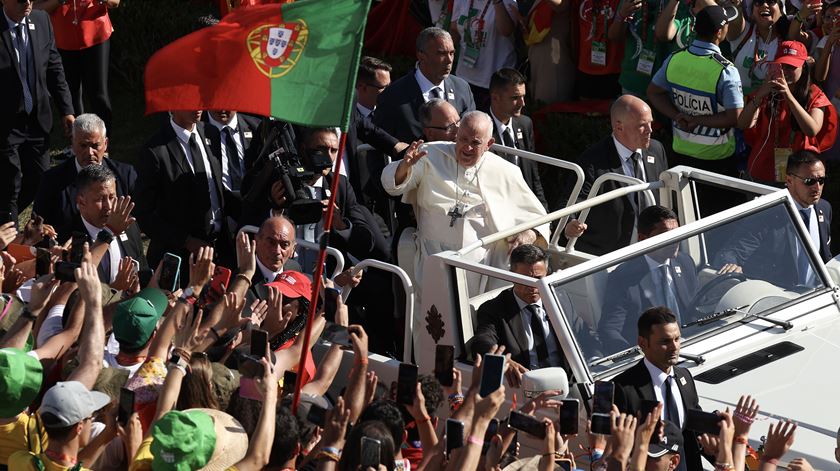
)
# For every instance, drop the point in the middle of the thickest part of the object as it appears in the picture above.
(25, 461)
(15, 436)
(143, 459)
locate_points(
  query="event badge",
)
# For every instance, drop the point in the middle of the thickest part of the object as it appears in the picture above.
(207, 141)
(651, 159)
(645, 65)
(247, 134)
(678, 270)
(31, 26)
(519, 134)
(450, 96)
(470, 56)
(820, 217)
(124, 237)
(599, 53)
(682, 381)
(780, 158)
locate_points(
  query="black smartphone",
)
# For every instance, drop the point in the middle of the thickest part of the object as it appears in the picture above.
(526, 423)
(259, 342)
(702, 422)
(370, 453)
(170, 271)
(569, 416)
(43, 258)
(492, 374)
(337, 335)
(645, 409)
(289, 381)
(564, 464)
(317, 415)
(444, 362)
(603, 400)
(126, 405)
(454, 435)
(5, 217)
(406, 383)
(492, 430)
(66, 271)
(600, 424)
(77, 247)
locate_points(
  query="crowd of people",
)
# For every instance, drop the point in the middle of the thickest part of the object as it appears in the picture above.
(154, 315)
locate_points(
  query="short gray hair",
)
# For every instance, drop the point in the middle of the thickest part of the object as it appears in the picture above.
(89, 123)
(432, 32)
(476, 115)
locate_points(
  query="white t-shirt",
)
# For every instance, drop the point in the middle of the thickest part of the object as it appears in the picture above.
(495, 50)
(754, 51)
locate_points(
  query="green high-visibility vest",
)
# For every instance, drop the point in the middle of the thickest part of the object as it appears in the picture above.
(693, 79)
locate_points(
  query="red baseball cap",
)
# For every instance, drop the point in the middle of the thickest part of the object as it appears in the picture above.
(791, 53)
(293, 284)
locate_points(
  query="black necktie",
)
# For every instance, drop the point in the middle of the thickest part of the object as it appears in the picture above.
(538, 332)
(234, 162)
(200, 172)
(435, 93)
(26, 66)
(638, 170)
(671, 410)
(806, 217)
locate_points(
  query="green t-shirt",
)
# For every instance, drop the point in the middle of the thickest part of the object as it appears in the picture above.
(643, 55)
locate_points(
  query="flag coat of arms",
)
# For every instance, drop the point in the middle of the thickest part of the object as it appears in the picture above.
(296, 62)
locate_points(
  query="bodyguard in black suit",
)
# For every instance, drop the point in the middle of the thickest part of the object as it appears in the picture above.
(642, 283)
(275, 246)
(55, 200)
(609, 226)
(398, 105)
(513, 129)
(31, 71)
(98, 203)
(242, 129)
(657, 378)
(180, 196)
(514, 316)
(768, 249)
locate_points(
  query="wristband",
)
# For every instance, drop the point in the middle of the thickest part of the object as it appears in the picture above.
(423, 420)
(332, 450)
(773, 461)
(244, 278)
(597, 454)
(474, 440)
(324, 455)
(215, 332)
(741, 440)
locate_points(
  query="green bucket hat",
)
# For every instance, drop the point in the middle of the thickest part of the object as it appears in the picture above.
(196, 439)
(20, 380)
(136, 319)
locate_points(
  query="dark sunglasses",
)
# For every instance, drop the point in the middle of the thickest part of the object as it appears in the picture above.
(451, 128)
(765, 2)
(810, 181)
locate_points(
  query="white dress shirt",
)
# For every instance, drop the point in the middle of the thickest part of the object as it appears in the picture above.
(114, 253)
(658, 377)
(183, 136)
(554, 356)
(364, 110)
(426, 85)
(626, 163)
(233, 124)
(267, 273)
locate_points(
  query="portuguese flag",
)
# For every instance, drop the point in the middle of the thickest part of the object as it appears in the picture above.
(296, 62)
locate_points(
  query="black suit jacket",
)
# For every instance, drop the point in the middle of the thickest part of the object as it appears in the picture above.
(49, 75)
(635, 385)
(131, 247)
(398, 105)
(499, 323)
(610, 225)
(364, 169)
(631, 290)
(523, 134)
(764, 249)
(55, 200)
(171, 204)
(247, 127)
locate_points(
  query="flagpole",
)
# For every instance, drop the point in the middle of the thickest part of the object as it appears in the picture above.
(319, 271)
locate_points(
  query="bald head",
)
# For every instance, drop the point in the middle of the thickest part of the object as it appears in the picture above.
(631, 120)
(439, 119)
(275, 242)
(474, 138)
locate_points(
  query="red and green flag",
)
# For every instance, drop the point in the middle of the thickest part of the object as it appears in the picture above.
(296, 62)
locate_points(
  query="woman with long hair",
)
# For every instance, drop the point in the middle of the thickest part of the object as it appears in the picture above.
(197, 391)
(786, 114)
(755, 42)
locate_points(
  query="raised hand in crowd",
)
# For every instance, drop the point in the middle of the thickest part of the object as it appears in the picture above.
(201, 269)
(127, 278)
(8, 233)
(623, 434)
(644, 431)
(120, 217)
(742, 419)
(779, 440)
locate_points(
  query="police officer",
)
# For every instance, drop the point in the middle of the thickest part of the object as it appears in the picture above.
(701, 92)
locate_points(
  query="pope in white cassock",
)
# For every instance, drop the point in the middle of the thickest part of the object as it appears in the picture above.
(461, 192)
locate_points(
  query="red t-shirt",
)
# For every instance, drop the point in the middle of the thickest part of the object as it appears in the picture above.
(593, 19)
(80, 24)
(761, 163)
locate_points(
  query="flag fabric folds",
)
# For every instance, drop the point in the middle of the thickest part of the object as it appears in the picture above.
(296, 62)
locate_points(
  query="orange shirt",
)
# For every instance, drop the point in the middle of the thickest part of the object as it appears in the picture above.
(80, 24)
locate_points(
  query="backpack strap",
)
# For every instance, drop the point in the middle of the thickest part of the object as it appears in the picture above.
(743, 42)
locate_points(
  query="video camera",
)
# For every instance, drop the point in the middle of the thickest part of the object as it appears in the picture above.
(279, 160)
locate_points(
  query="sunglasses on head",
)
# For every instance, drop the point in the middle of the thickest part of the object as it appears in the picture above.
(810, 181)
